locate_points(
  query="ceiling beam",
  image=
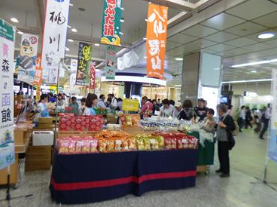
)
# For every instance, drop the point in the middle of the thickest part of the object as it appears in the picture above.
(40, 14)
(177, 4)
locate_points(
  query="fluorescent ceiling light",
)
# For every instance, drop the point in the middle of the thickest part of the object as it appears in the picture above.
(248, 81)
(19, 32)
(179, 59)
(122, 8)
(266, 35)
(144, 38)
(71, 4)
(135, 79)
(97, 44)
(74, 30)
(253, 71)
(178, 85)
(15, 20)
(146, 20)
(69, 26)
(122, 20)
(67, 49)
(70, 40)
(121, 33)
(254, 63)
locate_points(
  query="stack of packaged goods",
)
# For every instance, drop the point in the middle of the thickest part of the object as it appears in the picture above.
(69, 122)
(129, 120)
(160, 124)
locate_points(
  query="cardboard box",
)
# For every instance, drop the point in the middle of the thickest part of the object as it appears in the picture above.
(43, 138)
(33, 165)
(36, 150)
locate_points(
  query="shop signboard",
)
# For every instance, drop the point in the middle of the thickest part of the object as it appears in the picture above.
(38, 72)
(54, 38)
(272, 144)
(111, 25)
(7, 35)
(83, 68)
(156, 36)
(130, 105)
(110, 66)
(26, 61)
(92, 75)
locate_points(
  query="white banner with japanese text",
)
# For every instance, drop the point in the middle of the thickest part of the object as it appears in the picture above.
(7, 36)
(54, 38)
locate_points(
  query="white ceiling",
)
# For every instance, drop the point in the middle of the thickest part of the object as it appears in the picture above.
(231, 34)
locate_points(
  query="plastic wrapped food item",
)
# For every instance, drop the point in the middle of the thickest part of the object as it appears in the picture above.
(132, 144)
(117, 146)
(102, 145)
(72, 146)
(154, 143)
(79, 146)
(93, 145)
(160, 140)
(129, 120)
(125, 145)
(63, 145)
(111, 145)
(135, 119)
(147, 144)
(174, 143)
(167, 143)
(86, 146)
(140, 144)
(180, 143)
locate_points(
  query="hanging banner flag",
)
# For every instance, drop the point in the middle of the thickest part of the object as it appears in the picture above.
(7, 35)
(92, 75)
(54, 38)
(156, 40)
(38, 93)
(111, 25)
(73, 70)
(272, 143)
(26, 61)
(84, 59)
(38, 73)
(110, 66)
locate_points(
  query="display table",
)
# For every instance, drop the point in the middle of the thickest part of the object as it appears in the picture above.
(87, 178)
(205, 154)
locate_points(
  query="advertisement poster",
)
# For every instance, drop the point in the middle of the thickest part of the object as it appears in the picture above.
(83, 68)
(111, 25)
(54, 38)
(38, 72)
(7, 35)
(26, 61)
(156, 40)
(272, 144)
(73, 71)
(92, 75)
(130, 105)
(110, 66)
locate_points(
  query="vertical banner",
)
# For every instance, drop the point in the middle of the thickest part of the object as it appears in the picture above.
(156, 40)
(7, 35)
(272, 144)
(110, 66)
(92, 76)
(73, 69)
(26, 61)
(111, 25)
(38, 73)
(54, 38)
(38, 93)
(83, 68)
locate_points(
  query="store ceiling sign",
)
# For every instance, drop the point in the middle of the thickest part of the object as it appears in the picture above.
(92, 75)
(54, 38)
(110, 66)
(111, 25)
(156, 40)
(38, 72)
(83, 68)
(7, 35)
(26, 61)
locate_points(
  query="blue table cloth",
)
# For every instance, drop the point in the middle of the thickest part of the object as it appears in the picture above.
(87, 178)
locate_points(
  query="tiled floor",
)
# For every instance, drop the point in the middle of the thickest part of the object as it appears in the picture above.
(240, 190)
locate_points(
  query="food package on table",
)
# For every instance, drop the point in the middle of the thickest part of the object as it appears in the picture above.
(82, 123)
(63, 145)
(102, 145)
(132, 144)
(160, 140)
(167, 143)
(129, 120)
(66, 123)
(93, 145)
(79, 146)
(147, 143)
(135, 119)
(122, 119)
(154, 143)
(118, 145)
(72, 146)
(180, 144)
(86, 145)
(111, 145)
(113, 127)
(112, 134)
(140, 144)
(125, 145)
(96, 123)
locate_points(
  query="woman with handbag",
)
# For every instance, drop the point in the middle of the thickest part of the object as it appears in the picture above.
(225, 140)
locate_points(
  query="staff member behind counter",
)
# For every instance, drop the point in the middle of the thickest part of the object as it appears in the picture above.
(167, 109)
(201, 109)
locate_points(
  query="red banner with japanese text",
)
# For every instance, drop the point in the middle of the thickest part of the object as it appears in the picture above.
(156, 36)
(38, 72)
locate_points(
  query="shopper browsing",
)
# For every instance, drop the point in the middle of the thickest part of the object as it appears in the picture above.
(74, 105)
(225, 140)
(101, 102)
(113, 104)
(187, 113)
(167, 110)
(201, 109)
(241, 120)
(147, 107)
(265, 120)
(91, 104)
(119, 104)
(248, 118)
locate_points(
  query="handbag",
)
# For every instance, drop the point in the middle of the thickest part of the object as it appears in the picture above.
(230, 136)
